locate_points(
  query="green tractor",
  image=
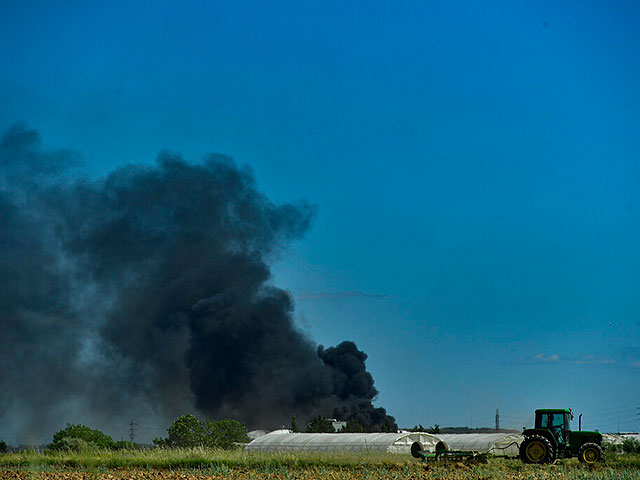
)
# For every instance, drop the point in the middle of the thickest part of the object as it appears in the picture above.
(552, 438)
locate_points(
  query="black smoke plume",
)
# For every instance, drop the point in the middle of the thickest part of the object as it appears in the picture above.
(146, 294)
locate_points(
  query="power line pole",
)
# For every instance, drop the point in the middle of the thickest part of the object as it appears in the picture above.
(497, 420)
(132, 429)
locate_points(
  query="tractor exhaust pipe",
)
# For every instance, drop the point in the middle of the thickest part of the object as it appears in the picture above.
(580, 422)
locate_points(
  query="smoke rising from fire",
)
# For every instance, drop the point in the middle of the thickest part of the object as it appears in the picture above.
(147, 294)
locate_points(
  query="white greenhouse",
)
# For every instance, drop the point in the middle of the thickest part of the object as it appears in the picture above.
(498, 444)
(280, 441)
(618, 438)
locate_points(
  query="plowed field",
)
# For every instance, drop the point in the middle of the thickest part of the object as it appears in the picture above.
(454, 471)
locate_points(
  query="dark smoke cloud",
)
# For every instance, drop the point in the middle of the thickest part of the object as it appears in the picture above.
(353, 385)
(147, 294)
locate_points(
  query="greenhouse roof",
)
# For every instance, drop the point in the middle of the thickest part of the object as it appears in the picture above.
(380, 442)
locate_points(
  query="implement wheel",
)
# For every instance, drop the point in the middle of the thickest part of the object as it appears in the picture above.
(590, 453)
(416, 448)
(537, 449)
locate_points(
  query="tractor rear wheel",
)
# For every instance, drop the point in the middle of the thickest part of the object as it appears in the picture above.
(590, 453)
(537, 449)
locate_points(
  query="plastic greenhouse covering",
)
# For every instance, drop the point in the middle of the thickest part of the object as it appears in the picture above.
(355, 442)
(499, 444)
(495, 443)
(618, 438)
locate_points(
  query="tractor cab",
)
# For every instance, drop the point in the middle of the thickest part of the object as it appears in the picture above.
(557, 422)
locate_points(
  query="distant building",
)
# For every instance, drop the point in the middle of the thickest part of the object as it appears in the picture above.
(337, 425)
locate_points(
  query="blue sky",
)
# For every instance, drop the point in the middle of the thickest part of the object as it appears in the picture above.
(475, 169)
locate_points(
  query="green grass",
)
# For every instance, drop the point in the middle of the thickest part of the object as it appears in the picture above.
(198, 458)
(237, 464)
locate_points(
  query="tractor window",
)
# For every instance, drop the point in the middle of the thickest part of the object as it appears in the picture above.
(550, 420)
(555, 423)
(555, 420)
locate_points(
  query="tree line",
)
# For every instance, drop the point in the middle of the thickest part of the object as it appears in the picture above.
(320, 424)
(186, 431)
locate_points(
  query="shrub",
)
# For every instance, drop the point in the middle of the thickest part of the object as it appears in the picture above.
(320, 424)
(226, 433)
(610, 447)
(4, 448)
(79, 438)
(294, 424)
(434, 429)
(75, 444)
(388, 428)
(188, 432)
(630, 445)
(124, 445)
(352, 427)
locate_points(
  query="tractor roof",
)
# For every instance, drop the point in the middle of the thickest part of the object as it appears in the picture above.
(553, 410)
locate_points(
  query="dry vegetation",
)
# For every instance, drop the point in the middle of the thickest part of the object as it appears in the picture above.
(203, 464)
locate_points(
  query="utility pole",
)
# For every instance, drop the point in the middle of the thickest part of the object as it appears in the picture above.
(497, 420)
(132, 430)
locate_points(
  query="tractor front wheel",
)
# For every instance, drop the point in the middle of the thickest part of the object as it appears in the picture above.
(537, 449)
(590, 453)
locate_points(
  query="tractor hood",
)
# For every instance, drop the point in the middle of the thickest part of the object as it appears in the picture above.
(583, 436)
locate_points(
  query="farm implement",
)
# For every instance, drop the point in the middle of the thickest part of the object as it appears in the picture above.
(443, 454)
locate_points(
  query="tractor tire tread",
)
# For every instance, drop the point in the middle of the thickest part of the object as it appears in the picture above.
(550, 455)
(587, 446)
